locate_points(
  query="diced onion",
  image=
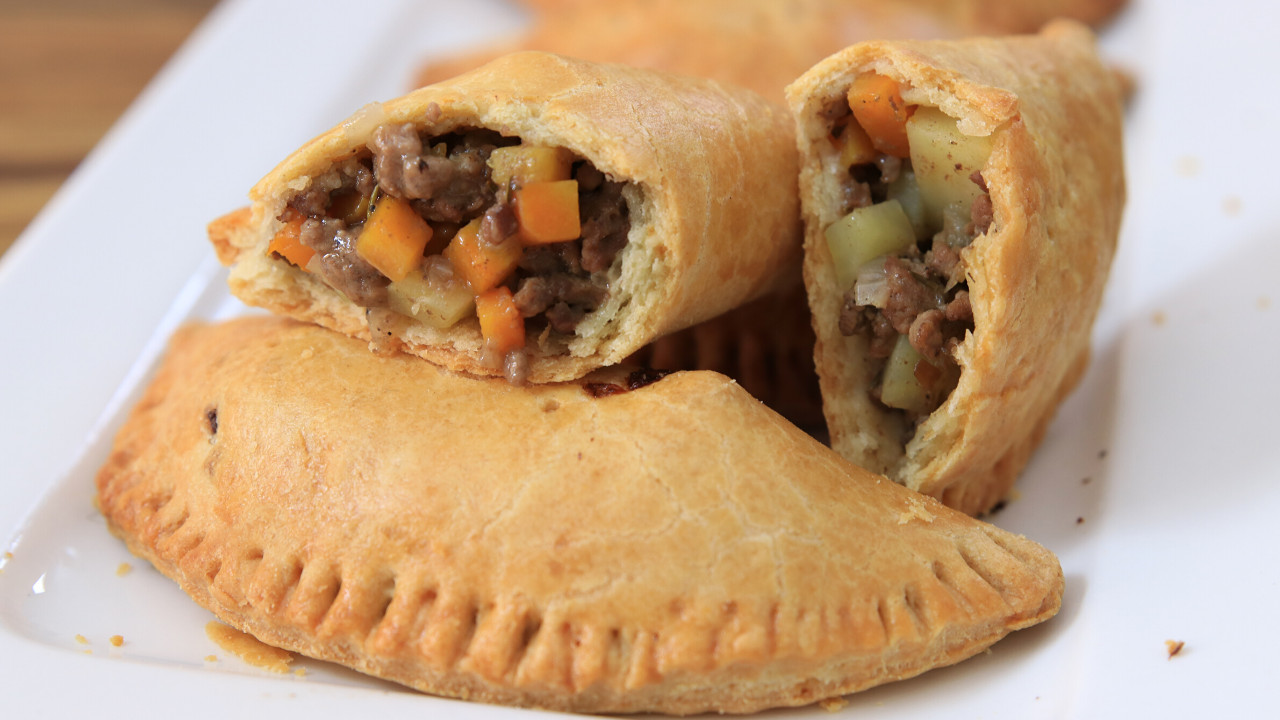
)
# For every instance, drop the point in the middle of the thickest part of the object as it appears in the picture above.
(364, 121)
(872, 285)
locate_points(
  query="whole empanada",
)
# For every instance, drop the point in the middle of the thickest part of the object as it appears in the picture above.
(758, 44)
(623, 544)
(950, 328)
(680, 195)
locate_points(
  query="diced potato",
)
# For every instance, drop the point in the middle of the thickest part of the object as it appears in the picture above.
(906, 191)
(434, 295)
(943, 160)
(526, 164)
(855, 146)
(393, 238)
(901, 388)
(865, 234)
(548, 212)
(913, 383)
(481, 265)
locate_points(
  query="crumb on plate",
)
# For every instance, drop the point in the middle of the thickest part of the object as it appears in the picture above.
(249, 648)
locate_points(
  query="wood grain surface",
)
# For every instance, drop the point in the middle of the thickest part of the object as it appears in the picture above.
(68, 69)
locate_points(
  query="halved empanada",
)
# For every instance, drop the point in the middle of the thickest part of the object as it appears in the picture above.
(538, 217)
(622, 544)
(962, 202)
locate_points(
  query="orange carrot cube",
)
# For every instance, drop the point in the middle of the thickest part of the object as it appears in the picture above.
(482, 265)
(287, 243)
(878, 107)
(393, 238)
(500, 322)
(548, 212)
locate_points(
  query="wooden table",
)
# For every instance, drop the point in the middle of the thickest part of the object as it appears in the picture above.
(68, 69)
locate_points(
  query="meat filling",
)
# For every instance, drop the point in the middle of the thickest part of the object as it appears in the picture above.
(473, 214)
(905, 288)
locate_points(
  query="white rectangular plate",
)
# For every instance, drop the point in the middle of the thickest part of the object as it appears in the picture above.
(1156, 486)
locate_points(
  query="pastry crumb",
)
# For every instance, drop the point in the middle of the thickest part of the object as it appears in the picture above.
(915, 511)
(82, 639)
(1086, 480)
(1188, 166)
(1264, 302)
(1231, 205)
(300, 672)
(249, 648)
(1080, 520)
(835, 704)
(123, 569)
(1158, 318)
(116, 640)
(1174, 647)
(211, 658)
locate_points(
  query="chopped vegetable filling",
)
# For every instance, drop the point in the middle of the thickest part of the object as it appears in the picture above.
(914, 198)
(467, 224)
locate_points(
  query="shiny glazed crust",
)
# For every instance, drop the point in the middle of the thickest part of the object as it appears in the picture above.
(675, 548)
(1035, 280)
(713, 204)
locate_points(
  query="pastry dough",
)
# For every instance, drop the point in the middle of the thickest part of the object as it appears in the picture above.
(674, 548)
(1035, 279)
(711, 195)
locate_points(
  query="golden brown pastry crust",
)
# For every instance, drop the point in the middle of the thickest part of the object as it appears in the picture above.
(713, 204)
(675, 548)
(1035, 279)
(759, 44)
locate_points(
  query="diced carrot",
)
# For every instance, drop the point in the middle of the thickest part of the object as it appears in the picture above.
(878, 106)
(393, 238)
(500, 320)
(482, 265)
(287, 243)
(548, 212)
(523, 164)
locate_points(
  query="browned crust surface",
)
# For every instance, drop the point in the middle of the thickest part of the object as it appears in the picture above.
(1035, 279)
(714, 211)
(675, 548)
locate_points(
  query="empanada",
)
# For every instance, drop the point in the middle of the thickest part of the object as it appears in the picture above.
(962, 203)
(538, 217)
(758, 44)
(627, 543)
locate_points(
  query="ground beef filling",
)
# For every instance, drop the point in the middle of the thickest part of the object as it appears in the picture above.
(928, 298)
(447, 181)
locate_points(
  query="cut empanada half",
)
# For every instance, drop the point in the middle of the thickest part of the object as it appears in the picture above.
(962, 201)
(624, 543)
(536, 218)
